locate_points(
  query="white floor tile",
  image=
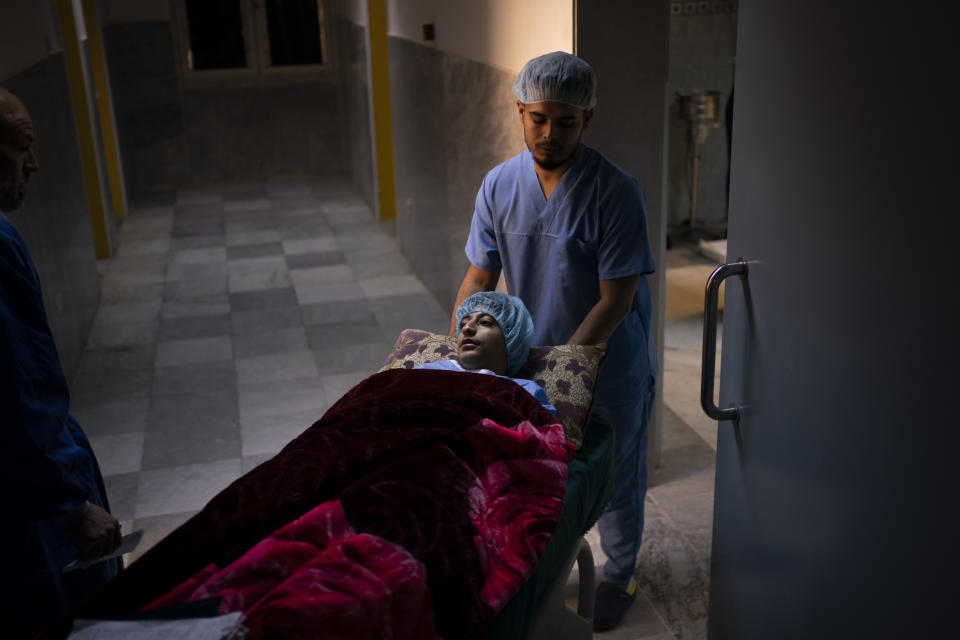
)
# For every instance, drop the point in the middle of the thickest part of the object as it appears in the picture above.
(184, 488)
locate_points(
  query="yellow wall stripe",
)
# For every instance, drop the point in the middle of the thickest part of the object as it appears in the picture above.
(81, 116)
(104, 109)
(382, 120)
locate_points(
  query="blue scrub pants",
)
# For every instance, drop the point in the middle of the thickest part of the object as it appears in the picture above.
(621, 525)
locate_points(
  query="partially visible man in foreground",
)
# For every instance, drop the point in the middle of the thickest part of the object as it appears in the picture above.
(568, 229)
(56, 504)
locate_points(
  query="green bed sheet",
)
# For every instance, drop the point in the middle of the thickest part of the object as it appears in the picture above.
(589, 489)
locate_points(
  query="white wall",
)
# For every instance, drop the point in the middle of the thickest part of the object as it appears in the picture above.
(28, 34)
(353, 10)
(501, 33)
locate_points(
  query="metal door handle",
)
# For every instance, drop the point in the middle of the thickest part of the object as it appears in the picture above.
(711, 306)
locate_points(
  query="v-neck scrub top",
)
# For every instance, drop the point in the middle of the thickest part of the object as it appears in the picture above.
(554, 253)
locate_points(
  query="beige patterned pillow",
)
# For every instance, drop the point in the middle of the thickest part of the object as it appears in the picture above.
(567, 373)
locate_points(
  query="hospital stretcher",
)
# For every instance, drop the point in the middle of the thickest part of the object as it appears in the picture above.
(540, 607)
(537, 610)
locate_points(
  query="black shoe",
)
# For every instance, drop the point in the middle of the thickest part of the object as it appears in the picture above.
(611, 604)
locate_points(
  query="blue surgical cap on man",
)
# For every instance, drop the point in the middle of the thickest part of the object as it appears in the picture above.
(511, 316)
(557, 77)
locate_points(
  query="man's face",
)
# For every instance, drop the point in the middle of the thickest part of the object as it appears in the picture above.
(480, 343)
(552, 132)
(17, 159)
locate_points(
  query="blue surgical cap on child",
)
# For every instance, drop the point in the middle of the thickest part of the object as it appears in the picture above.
(512, 317)
(557, 77)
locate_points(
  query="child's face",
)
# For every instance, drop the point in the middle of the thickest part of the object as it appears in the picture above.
(480, 343)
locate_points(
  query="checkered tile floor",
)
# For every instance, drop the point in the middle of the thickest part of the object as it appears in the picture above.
(230, 319)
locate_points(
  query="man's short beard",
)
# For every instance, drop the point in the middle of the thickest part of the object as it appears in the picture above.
(547, 166)
(12, 196)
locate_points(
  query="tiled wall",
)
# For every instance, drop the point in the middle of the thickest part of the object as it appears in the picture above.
(453, 120)
(702, 48)
(54, 220)
(173, 135)
(355, 100)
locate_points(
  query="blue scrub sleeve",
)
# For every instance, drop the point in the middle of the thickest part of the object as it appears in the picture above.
(46, 473)
(624, 246)
(482, 249)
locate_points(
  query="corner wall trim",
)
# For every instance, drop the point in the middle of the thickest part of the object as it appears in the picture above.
(84, 124)
(382, 119)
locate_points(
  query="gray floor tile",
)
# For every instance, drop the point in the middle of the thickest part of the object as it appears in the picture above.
(197, 242)
(347, 359)
(191, 428)
(267, 342)
(155, 529)
(125, 313)
(116, 293)
(267, 435)
(209, 349)
(282, 398)
(392, 286)
(198, 195)
(336, 312)
(255, 250)
(183, 488)
(322, 275)
(308, 294)
(196, 271)
(118, 453)
(200, 210)
(252, 274)
(199, 255)
(276, 366)
(112, 414)
(211, 377)
(279, 279)
(326, 336)
(108, 335)
(308, 228)
(243, 195)
(193, 228)
(158, 198)
(310, 245)
(334, 386)
(131, 247)
(267, 299)
(198, 288)
(190, 444)
(315, 259)
(122, 495)
(244, 204)
(252, 237)
(413, 311)
(252, 462)
(379, 267)
(260, 320)
(195, 327)
(199, 306)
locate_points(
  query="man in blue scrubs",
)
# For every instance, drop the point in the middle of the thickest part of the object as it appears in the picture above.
(568, 230)
(55, 503)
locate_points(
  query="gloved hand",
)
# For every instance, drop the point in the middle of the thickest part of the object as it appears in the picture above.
(93, 531)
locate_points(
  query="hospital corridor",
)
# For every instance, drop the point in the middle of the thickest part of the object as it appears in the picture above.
(233, 316)
(219, 217)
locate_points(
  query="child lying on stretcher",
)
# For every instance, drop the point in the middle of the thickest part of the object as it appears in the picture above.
(494, 331)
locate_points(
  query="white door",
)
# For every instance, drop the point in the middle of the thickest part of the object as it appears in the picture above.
(837, 485)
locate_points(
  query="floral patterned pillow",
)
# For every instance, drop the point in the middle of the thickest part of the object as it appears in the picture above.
(567, 373)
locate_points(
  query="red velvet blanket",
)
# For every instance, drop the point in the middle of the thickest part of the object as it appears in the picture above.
(415, 508)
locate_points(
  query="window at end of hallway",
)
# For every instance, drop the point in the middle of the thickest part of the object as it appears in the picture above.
(251, 37)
